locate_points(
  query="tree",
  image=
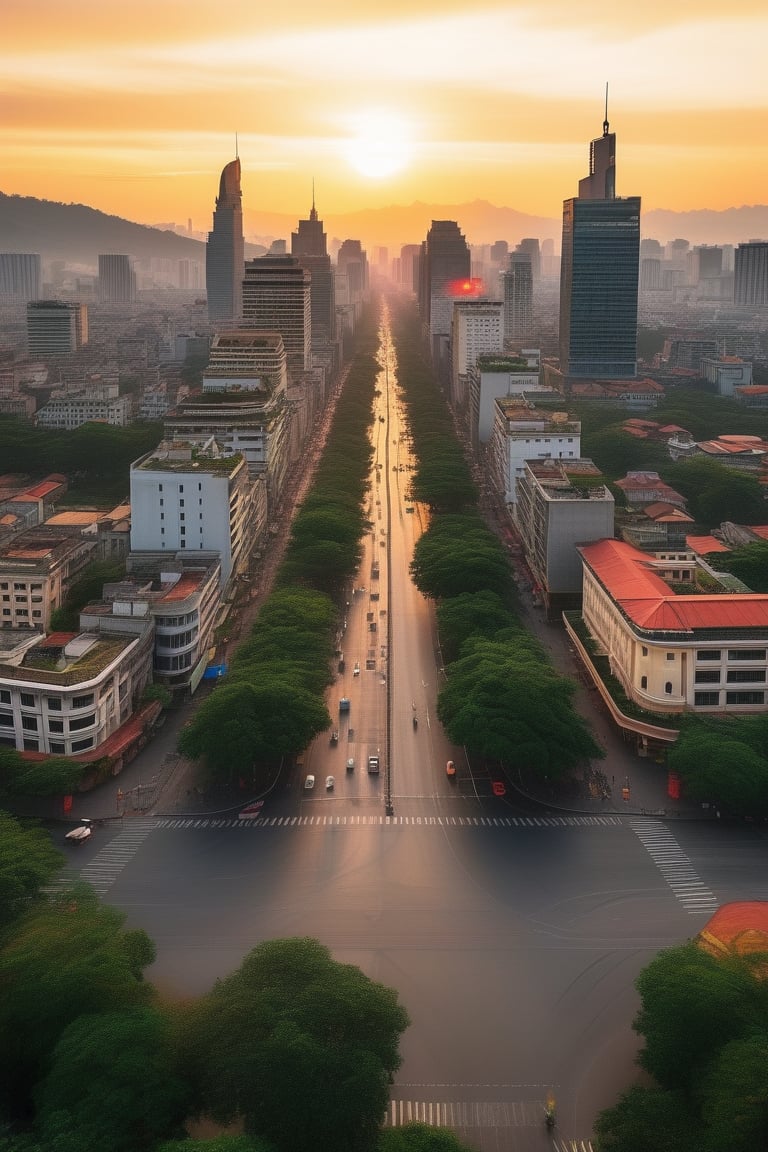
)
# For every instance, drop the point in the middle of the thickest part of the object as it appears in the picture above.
(417, 1137)
(735, 1097)
(503, 700)
(65, 957)
(28, 861)
(715, 493)
(224, 1143)
(113, 1080)
(749, 563)
(692, 1004)
(719, 769)
(300, 1046)
(644, 1114)
(458, 554)
(87, 587)
(470, 614)
(55, 776)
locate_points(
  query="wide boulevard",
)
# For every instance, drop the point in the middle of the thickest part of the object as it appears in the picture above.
(513, 937)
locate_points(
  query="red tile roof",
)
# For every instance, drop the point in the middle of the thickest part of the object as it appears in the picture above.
(704, 545)
(648, 601)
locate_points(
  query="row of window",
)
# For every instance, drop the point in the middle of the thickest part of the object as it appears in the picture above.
(179, 640)
(30, 723)
(738, 676)
(181, 487)
(704, 699)
(36, 612)
(29, 700)
(19, 587)
(752, 654)
(175, 621)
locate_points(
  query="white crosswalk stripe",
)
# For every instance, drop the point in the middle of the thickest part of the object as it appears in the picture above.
(463, 1116)
(377, 820)
(102, 871)
(675, 867)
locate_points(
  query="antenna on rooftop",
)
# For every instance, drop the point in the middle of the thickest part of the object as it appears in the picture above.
(237, 154)
(605, 122)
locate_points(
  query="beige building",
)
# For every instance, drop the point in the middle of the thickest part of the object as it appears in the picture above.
(674, 653)
(37, 568)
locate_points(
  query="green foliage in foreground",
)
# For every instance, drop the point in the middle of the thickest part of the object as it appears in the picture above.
(504, 701)
(420, 1138)
(301, 1047)
(56, 776)
(458, 554)
(725, 762)
(749, 563)
(86, 588)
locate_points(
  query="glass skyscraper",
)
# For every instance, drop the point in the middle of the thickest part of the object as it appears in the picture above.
(599, 273)
(225, 250)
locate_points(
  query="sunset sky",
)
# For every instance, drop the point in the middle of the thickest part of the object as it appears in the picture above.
(133, 107)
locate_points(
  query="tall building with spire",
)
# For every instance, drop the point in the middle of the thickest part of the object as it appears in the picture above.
(225, 250)
(599, 272)
(309, 247)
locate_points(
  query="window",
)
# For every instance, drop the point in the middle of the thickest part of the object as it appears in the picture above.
(181, 487)
(27, 700)
(6, 719)
(705, 699)
(709, 654)
(161, 502)
(19, 587)
(29, 723)
(746, 653)
(183, 530)
(36, 612)
(183, 543)
(56, 726)
(159, 487)
(4, 585)
(668, 687)
(747, 676)
(31, 745)
(54, 703)
(162, 515)
(181, 515)
(670, 655)
(5, 696)
(6, 611)
(708, 677)
(82, 701)
(745, 697)
(181, 503)
(644, 650)
(22, 612)
(54, 746)
(82, 722)
(643, 681)
(81, 745)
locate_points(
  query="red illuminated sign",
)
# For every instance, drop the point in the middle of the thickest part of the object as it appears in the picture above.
(469, 288)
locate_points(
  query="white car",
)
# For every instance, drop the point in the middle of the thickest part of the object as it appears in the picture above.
(351, 764)
(329, 782)
(356, 670)
(309, 783)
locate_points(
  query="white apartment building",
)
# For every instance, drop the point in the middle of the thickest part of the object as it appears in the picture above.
(192, 500)
(66, 693)
(493, 377)
(705, 653)
(68, 412)
(522, 432)
(477, 329)
(245, 358)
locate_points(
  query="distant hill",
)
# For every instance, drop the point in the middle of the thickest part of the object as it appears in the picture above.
(77, 234)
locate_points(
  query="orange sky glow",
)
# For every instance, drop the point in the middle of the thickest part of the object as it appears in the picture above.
(133, 107)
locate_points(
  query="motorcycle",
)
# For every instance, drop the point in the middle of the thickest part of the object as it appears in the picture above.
(415, 723)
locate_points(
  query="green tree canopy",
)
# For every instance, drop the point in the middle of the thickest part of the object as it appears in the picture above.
(471, 614)
(503, 700)
(416, 1137)
(735, 1097)
(300, 1046)
(715, 493)
(65, 957)
(113, 1080)
(223, 1143)
(749, 563)
(28, 861)
(56, 776)
(458, 554)
(718, 768)
(642, 1114)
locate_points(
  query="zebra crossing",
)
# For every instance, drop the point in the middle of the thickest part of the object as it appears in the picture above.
(463, 1116)
(102, 871)
(675, 867)
(378, 820)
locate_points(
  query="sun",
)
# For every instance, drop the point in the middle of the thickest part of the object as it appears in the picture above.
(381, 145)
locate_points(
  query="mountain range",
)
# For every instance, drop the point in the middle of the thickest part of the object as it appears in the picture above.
(77, 234)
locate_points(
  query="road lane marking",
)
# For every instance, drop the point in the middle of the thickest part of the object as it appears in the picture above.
(676, 868)
(102, 871)
(378, 821)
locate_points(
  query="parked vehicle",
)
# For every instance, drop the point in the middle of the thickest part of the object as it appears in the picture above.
(309, 783)
(351, 764)
(329, 783)
(334, 737)
(356, 670)
(80, 834)
(373, 765)
(344, 704)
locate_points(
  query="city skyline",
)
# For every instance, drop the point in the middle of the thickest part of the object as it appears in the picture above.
(134, 111)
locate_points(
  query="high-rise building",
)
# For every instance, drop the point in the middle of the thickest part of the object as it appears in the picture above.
(224, 252)
(599, 272)
(276, 298)
(409, 266)
(518, 298)
(56, 327)
(309, 246)
(445, 262)
(751, 274)
(477, 329)
(20, 276)
(117, 280)
(530, 247)
(548, 262)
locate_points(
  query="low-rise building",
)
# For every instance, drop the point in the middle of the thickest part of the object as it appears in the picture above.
(37, 569)
(726, 373)
(70, 412)
(491, 378)
(560, 505)
(701, 652)
(522, 432)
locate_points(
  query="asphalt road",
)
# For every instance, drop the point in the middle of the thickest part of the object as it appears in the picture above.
(513, 940)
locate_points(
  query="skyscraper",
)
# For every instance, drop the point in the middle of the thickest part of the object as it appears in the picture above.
(276, 298)
(751, 274)
(225, 250)
(117, 280)
(445, 260)
(309, 246)
(20, 276)
(56, 327)
(518, 298)
(599, 272)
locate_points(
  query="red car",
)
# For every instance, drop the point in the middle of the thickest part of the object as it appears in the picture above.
(498, 788)
(251, 810)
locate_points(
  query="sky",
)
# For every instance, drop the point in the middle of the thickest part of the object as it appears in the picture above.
(133, 108)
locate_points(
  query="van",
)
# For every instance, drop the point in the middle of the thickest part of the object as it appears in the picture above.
(373, 765)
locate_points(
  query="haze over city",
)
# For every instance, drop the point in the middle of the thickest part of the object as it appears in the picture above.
(133, 109)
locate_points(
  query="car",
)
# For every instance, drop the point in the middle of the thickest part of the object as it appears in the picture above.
(329, 782)
(309, 783)
(351, 764)
(356, 670)
(498, 788)
(373, 765)
(450, 768)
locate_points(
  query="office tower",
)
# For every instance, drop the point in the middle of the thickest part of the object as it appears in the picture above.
(599, 272)
(499, 251)
(444, 262)
(751, 274)
(548, 265)
(409, 265)
(518, 298)
(224, 252)
(309, 246)
(530, 246)
(55, 328)
(705, 262)
(477, 329)
(650, 274)
(353, 263)
(276, 298)
(20, 276)
(677, 252)
(117, 280)
(651, 250)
